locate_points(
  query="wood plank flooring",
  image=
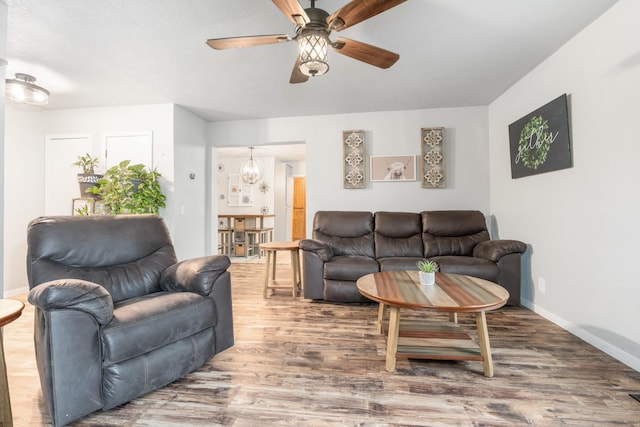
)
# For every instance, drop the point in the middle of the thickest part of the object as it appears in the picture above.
(303, 363)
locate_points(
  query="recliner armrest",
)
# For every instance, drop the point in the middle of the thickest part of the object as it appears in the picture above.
(74, 294)
(324, 251)
(194, 275)
(493, 250)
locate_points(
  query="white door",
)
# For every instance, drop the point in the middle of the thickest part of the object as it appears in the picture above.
(137, 147)
(61, 177)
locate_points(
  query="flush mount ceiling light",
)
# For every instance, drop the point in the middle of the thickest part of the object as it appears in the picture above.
(251, 171)
(23, 89)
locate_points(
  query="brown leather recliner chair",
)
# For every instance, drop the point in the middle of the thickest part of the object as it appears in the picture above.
(116, 315)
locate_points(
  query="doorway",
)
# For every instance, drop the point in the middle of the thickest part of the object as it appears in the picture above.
(274, 195)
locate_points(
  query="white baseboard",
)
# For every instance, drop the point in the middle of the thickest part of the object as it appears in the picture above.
(15, 292)
(613, 351)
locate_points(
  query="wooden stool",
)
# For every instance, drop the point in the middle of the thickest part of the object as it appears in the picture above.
(270, 249)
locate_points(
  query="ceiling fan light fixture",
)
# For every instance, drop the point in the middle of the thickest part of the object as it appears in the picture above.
(22, 89)
(312, 45)
(251, 171)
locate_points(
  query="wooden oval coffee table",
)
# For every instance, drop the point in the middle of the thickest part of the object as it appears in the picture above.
(452, 293)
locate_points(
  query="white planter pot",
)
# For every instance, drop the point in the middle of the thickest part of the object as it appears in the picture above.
(427, 278)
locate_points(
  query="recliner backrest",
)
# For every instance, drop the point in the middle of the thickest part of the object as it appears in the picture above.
(348, 233)
(452, 232)
(126, 254)
(398, 234)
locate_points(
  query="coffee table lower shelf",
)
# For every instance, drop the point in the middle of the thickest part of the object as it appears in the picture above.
(435, 340)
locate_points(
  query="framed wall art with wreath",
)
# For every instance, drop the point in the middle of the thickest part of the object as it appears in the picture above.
(540, 141)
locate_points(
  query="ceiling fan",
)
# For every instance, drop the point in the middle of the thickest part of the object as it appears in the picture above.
(313, 27)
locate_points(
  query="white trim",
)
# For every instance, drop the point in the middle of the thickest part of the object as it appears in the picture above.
(8, 293)
(613, 351)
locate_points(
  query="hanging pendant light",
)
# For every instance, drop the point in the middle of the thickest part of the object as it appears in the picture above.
(251, 171)
(22, 89)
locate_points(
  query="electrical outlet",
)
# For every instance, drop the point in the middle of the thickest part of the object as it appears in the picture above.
(542, 285)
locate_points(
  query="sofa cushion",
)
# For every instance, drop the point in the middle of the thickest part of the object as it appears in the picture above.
(398, 234)
(146, 323)
(349, 267)
(348, 233)
(398, 263)
(470, 266)
(452, 232)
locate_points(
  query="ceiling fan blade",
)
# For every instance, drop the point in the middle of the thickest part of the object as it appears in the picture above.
(293, 11)
(231, 42)
(366, 53)
(296, 74)
(357, 11)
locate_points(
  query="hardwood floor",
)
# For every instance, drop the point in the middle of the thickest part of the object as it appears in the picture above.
(303, 363)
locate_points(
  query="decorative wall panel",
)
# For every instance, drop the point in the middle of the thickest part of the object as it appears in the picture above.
(354, 173)
(433, 158)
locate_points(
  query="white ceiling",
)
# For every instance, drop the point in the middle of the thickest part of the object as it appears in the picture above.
(453, 53)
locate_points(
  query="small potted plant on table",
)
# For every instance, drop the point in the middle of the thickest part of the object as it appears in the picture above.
(427, 271)
(88, 178)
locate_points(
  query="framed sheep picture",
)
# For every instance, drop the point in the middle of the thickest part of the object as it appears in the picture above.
(393, 168)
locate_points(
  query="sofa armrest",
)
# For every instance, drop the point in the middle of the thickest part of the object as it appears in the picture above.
(194, 275)
(493, 250)
(74, 294)
(324, 251)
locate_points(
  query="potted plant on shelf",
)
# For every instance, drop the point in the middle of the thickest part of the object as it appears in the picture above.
(131, 189)
(427, 271)
(88, 178)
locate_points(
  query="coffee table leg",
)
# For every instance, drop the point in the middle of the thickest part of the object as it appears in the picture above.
(485, 346)
(392, 338)
(294, 273)
(381, 313)
(266, 272)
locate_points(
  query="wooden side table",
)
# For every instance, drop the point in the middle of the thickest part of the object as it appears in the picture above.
(270, 249)
(10, 310)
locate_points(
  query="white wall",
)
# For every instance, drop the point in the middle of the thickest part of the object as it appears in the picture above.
(387, 133)
(23, 190)
(582, 223)
(232, 165)
(189, 196)
(3, 70)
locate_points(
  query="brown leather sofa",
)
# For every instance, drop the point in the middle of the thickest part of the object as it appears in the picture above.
(347, 245)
